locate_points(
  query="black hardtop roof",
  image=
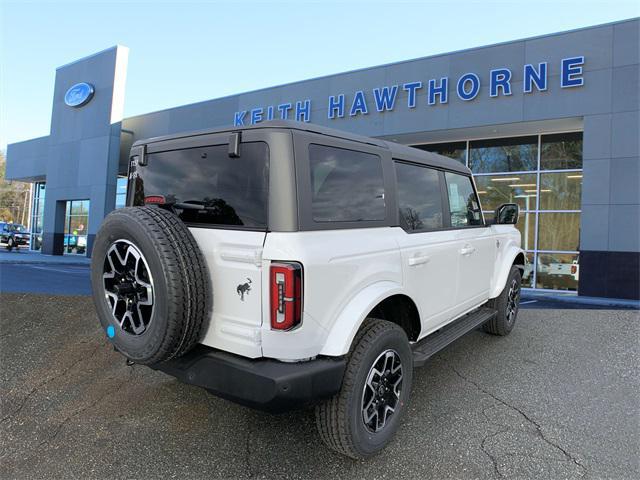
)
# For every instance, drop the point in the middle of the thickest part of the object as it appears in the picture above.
(399, 151)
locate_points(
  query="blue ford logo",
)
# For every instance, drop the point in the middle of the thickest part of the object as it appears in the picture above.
(79, 94)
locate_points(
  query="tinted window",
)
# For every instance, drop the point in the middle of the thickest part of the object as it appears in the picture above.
(346, 185)
(463, 202)
(205, 186)
(419, 198)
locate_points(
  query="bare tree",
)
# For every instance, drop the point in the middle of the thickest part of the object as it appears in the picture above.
(14, 197)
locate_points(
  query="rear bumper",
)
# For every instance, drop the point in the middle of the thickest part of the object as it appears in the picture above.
(264, 384)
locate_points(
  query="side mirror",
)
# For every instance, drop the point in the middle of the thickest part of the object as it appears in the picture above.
(507, 214)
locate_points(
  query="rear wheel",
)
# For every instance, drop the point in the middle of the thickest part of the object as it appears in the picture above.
(364, 416)
(507, 305)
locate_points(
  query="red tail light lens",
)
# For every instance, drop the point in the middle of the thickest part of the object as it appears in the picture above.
(154, 200)
(574, 269)
(286, 295)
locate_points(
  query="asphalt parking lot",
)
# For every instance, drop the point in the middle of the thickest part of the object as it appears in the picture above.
(559, 398)
(45, 278)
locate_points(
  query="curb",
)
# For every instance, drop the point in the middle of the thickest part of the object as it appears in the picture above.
(599, 301)
(62, 264)
(41, 261)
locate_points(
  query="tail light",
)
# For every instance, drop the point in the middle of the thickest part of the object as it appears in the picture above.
(286, 295)
(154, 200)
(574, 269)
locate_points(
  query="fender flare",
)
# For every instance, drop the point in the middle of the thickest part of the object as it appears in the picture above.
(502, 271)
(348, 322)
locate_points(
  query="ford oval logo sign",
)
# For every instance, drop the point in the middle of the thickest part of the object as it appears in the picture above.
(79, 94)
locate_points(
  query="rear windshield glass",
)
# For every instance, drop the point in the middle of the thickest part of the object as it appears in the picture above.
(204, 186)
(346, 185)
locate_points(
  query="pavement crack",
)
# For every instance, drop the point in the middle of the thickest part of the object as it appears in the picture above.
(492, 457)
(48, 380)
(524, 415)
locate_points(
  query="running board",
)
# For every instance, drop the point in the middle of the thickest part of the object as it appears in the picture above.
(435, 342)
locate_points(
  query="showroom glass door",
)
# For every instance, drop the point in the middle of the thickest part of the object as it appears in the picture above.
(75, 227)
(37, 214)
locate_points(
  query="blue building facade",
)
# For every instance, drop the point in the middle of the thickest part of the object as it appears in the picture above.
(550, 123)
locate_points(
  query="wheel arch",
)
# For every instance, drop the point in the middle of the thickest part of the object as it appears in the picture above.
(379, 300)
(513, 256)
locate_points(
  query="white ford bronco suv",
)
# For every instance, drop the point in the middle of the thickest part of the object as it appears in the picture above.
(285, 264)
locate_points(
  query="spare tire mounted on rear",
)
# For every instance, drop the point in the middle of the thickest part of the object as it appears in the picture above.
(150, 284)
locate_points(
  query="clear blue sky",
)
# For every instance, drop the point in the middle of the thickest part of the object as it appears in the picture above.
(183, 52)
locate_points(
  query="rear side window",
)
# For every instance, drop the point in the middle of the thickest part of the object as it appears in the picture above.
(204, 186)
(419, 197)
(463, 202)
(347, 185)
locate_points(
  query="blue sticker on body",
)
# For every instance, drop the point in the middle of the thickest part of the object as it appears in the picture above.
(111, 332)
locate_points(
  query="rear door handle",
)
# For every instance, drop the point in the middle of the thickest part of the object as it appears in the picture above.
(418, 260)
(467, 250)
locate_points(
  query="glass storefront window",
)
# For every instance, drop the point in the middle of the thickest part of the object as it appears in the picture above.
(504, 155)
(527, 227)
(121, 192)
(557, 271)
(76, 227)
(78, 207)
(560, 191)
(494, 190)
(37, 214)
(559, 231)
(455, 150)
(527, 277)
(561, 151)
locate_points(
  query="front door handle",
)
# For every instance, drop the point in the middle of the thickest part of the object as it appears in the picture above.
(467, 250)
(418, 260)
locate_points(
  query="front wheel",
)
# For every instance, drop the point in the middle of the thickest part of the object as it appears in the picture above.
(364, 416)
(507, 305)
(10, 244)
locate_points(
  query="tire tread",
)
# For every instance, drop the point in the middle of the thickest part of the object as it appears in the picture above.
(332, 415)
(188, 292)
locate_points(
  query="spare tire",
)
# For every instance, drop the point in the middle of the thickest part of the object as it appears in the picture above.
(151, 287)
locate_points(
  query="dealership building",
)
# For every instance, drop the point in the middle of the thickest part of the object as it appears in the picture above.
(550, 123)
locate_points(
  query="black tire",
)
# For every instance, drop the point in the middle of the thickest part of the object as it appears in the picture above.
(340, 420)
(10, 244)
(507, 305)
(181, 292)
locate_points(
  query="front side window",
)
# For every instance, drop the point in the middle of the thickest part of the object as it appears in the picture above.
(464, 207)
(419, 197)
(204, 186)
(346, 185)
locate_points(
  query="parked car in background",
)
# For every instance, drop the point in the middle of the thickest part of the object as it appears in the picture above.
(13, 235)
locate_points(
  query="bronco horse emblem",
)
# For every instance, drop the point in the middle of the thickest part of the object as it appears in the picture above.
(244, 288)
